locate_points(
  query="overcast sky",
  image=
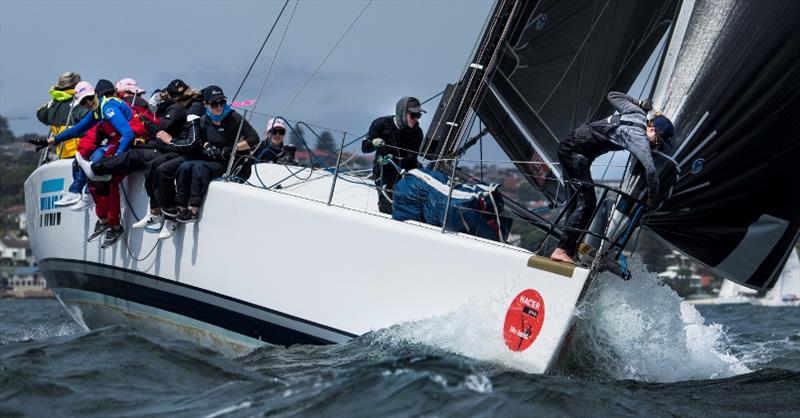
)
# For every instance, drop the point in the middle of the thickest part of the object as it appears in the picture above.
(396, 48)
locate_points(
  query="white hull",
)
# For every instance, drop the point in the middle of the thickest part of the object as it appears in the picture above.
(283, 267)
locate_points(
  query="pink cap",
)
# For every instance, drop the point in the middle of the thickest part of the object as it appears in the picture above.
(82, 90)
(275, 123)
(130, 85)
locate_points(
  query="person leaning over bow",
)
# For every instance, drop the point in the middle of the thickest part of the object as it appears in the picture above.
(629, 130)
(112, 115)
(59, 114)
(218, 130)
(396, 141)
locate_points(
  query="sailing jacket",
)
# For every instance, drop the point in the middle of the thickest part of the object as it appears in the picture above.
(223, 136)
(403, 143)
(56, 113)
(628, 130)
(111, 110)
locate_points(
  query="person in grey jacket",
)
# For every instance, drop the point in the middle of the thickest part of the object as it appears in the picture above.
(629, 130)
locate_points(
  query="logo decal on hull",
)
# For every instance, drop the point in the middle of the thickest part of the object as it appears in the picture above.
(524, 320)
(51, 191)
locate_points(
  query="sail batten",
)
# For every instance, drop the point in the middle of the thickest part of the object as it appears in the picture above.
(733, 172)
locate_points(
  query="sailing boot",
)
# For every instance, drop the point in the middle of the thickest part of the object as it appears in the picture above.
(68, 199)
(187, 216)
(150, 222)
(86, 202)
(113, 235)
(168, 229)
(86, 166)
(99, 228)
(171, 212)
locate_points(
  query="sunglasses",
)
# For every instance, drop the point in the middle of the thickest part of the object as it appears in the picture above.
(278, 131)
(86, 100)
(415, 115)
(217, 104)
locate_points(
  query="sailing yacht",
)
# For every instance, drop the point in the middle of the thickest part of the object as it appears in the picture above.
(786, 291)
(301, 255)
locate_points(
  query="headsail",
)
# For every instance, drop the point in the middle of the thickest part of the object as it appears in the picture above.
(558, 64)
(732, 203)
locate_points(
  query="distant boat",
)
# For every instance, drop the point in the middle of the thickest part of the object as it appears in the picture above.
(787, 290)
(733, 293)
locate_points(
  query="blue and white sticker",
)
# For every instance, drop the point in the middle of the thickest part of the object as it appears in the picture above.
(540, 21)
(697, 165)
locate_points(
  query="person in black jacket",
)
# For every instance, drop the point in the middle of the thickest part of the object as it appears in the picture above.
(629, 130)
(217, 131)
(161, 157)
(396, 141)
(59, 114)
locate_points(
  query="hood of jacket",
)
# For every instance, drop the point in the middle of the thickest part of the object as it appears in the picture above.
(400, 112)
(62, 95)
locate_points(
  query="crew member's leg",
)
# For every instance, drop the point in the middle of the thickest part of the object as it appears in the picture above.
(577, 175)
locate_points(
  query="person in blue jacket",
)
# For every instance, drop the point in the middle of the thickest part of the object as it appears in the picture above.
(104, 108)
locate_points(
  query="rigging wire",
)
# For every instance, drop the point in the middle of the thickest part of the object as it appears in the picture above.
(308, 80)
(275, 23)
(274, 57)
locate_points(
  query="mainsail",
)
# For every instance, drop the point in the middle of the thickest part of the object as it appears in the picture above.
(731, 200)
(557, 65)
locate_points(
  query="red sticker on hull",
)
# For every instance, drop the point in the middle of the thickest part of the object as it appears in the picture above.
(524, 320)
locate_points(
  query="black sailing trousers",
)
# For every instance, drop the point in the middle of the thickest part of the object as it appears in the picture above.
(193, 180)
(576, 168)
(134, 159)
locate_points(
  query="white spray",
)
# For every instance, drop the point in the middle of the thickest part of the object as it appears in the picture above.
(637, 329)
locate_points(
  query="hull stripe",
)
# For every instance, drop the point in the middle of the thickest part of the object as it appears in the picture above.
(202, 305)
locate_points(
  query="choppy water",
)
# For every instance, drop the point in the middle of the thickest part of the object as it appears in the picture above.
(638, 351)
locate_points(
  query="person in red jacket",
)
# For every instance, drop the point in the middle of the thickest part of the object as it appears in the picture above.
(112, 118)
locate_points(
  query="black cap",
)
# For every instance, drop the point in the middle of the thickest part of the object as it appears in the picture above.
(176, 87)
(413, 105)
(213, 94)
(104, 87)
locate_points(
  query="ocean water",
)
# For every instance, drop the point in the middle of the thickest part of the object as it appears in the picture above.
(637, 350)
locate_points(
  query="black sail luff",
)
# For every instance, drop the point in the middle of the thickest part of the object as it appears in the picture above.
(734, 203)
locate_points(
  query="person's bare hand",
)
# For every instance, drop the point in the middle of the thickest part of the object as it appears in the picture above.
(164, 137)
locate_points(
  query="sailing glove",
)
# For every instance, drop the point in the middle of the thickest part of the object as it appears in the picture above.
(212, 153)
(646, 105)
(378, 142)
(40, 143)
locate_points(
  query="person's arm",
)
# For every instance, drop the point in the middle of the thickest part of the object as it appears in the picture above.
(250, 137)
(78, 130)
(624, 103)
(121, 125)
(374, 132)
(41, 113)
(641, 150)
(175, 115)
(191, 140)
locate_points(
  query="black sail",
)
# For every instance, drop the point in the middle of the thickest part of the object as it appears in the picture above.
(734, 202)
(557, 66)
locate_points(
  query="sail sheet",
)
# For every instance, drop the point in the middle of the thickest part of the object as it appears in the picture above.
(557, 66)
(732, 202)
